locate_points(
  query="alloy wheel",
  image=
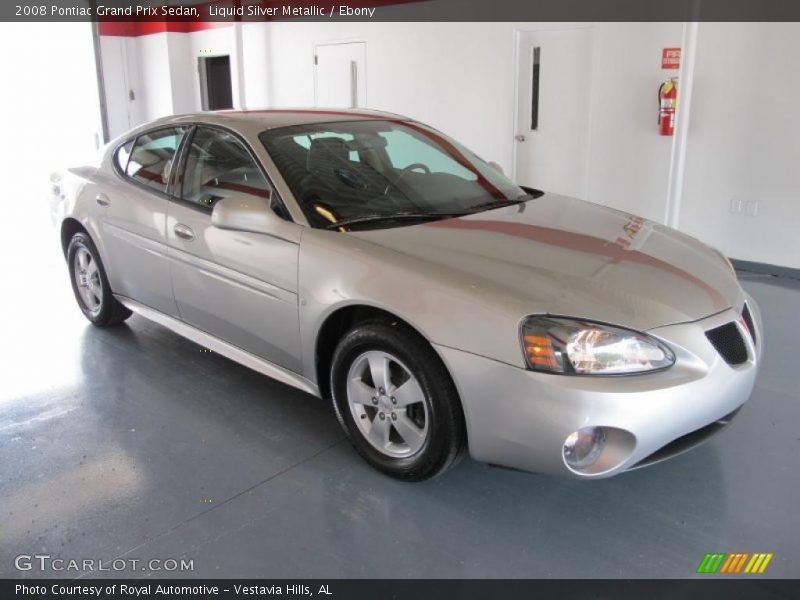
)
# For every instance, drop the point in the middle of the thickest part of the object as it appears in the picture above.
(87, 278)
(388, 404)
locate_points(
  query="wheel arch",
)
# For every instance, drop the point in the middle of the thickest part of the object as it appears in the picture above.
(69, 227)
(335, 325)
(339, 322)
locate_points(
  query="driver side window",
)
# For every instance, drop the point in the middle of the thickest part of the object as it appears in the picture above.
(217, 166)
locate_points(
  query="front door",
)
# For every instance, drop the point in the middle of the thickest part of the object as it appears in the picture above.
(340, 75)
(552, 121)
(240, 287)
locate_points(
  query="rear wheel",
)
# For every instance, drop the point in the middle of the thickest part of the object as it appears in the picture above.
(396, 401)
(90, 284)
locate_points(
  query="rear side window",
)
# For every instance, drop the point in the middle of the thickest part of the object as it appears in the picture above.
(153, 156)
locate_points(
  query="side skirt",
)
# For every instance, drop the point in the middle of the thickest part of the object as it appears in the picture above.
(221, 347)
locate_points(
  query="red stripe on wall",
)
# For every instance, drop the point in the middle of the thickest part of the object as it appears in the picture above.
(131, 26)
(139, 28)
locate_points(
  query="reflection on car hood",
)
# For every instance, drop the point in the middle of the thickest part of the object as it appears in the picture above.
(569, 257)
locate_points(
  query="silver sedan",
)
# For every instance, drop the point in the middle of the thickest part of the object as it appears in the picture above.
(371, 260)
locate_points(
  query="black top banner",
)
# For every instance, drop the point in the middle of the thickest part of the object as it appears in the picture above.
(189, 11)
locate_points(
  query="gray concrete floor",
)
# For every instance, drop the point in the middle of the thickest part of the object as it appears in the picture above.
(132, 442)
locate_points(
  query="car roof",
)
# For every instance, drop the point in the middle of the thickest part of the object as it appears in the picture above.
(283, 117)
(251, 123)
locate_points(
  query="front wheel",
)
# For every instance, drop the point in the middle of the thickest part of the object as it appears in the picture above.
(90, 284)
(396, 401)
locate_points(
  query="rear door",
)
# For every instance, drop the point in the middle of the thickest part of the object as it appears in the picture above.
(238, 286)
(134, 221)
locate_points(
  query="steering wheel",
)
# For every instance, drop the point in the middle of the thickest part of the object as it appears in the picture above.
(404, 172)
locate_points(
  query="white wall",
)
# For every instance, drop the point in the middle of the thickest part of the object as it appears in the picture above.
(155, 76)
(50, 103)
(51, 121)
(112, 50)
(459, 77)
(744, 141)
(161, 69)
(256, 65)
(185, 86)
(628, 160)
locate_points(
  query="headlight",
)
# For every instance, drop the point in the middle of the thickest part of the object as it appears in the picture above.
(578, 347)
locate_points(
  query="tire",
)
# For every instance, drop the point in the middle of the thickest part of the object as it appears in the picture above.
(90, 284)
(397, 356)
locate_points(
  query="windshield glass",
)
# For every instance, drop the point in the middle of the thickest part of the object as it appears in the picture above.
(373, 170)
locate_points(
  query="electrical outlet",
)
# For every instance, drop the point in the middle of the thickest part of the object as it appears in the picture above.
(745, 207)
(750, 208)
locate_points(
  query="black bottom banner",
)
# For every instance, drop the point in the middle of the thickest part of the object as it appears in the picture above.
(405, 589)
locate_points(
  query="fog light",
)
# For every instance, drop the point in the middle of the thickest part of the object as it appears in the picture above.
(583, 447)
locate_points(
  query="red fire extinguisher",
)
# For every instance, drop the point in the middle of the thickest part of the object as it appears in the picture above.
(667, 103)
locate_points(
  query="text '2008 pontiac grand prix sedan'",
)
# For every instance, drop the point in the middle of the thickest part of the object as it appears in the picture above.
(368, 258)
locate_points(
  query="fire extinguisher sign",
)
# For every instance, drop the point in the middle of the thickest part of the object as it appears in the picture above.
(671, 58)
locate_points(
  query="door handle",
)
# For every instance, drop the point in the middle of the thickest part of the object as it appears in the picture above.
(183, 232)
(353, 84)
(102, 199)
(519, 137)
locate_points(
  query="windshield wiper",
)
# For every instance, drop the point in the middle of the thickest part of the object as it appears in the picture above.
(429, 216)
(393, 217)
(499, 203)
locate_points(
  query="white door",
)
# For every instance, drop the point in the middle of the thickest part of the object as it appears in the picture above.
(552, 121)
(340, 75)
(121, 80)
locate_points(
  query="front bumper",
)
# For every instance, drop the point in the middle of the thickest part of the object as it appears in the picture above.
(519, 418)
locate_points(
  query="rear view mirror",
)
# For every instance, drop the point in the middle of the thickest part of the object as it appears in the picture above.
(244, 213)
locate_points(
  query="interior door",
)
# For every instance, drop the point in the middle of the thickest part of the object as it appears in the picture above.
(216, 90)
(134, 219)
(552, 121)
(340, 75)
(240, 287)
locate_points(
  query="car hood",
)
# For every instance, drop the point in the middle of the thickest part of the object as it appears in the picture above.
(568, 257)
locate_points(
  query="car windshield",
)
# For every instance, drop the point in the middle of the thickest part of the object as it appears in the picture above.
(383, 173)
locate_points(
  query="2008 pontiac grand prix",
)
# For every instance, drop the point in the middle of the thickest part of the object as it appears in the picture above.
(367, 258)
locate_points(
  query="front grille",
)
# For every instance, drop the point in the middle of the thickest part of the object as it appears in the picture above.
(748, 320)
(729, 342)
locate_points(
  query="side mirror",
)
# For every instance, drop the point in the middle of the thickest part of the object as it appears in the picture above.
(496, 167)
(244, 213)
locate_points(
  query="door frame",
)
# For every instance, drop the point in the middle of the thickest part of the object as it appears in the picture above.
(517, 36)
(338, 42)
